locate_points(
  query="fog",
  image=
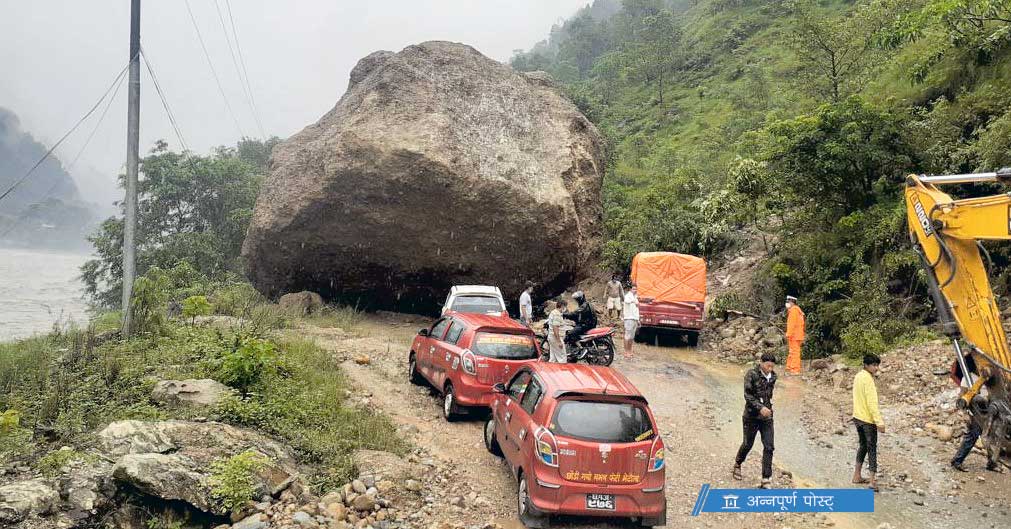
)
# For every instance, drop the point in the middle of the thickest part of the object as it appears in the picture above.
(57, 57)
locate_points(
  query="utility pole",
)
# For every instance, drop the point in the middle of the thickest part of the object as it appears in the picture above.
(132, 160)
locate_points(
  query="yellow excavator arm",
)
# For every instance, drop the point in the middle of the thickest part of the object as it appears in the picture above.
(946, 233)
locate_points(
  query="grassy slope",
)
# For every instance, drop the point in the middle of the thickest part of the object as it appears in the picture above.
(64, 387)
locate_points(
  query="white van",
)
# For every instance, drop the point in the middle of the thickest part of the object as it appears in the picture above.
(475, 299)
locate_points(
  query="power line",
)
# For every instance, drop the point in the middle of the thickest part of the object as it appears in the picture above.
(87, 141)
(235, 62)
(214, 72)
(164, 100)
(245, 71)
(65, 136)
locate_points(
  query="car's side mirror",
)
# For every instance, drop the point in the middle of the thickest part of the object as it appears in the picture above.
(499, 388)
(423, 332)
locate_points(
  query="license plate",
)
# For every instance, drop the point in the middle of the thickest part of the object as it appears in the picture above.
(600, 502)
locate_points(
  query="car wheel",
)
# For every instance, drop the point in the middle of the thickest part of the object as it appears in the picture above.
(528, 514)
(693, 339)
(489, 438)
(412, 372)
(450, 409)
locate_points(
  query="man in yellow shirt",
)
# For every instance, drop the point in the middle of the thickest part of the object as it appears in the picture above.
(867, 418)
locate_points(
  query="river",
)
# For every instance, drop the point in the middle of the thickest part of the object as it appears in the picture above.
(39, 288)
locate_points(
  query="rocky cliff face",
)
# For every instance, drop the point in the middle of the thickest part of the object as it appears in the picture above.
(439, 166)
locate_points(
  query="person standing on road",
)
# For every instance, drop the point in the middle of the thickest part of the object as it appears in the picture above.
(556, 334)
(630, 315)
(973, 429)
(526, 305)
(759, 383)
(868, 421)
(615, 294)
(794, 335)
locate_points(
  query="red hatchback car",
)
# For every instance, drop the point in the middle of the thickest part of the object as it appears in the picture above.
(463, 355)
(580, 440)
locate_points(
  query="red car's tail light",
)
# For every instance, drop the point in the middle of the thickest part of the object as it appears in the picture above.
(469, 362)
(547, 447)
(656, 459)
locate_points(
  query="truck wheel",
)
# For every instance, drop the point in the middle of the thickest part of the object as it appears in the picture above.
(450, 409)
(489, 438)
(528, 514)
(412, 371)
(692, 338)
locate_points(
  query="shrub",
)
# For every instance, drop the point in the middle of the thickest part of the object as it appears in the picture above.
(245, 366)
(860, 339)
(719, 306)
(194, 306)
(15, 441)
(233, 480)
(52, 463)
(235, 299)
(150, 298)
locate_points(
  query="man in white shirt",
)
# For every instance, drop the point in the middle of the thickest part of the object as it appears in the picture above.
(526, 305)
(557, 326)
(630, 315)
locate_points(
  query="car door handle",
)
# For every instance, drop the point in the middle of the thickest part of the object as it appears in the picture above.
(508, 416)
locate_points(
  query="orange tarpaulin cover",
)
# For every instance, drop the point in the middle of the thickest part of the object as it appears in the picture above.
(668, 276)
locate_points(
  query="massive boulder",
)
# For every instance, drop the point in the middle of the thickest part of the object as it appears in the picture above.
(438, 166)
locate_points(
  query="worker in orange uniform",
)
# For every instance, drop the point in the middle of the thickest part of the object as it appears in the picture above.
(794, 335)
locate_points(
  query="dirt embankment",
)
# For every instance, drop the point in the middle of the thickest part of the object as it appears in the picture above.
(697, 400)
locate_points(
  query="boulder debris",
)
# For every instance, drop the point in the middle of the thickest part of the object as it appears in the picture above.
(190, 392)
(438, 166)
(302, 303)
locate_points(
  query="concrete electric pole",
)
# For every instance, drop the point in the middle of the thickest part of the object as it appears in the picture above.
(132, 161)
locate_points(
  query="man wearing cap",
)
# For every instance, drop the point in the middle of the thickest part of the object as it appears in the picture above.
(794, 335)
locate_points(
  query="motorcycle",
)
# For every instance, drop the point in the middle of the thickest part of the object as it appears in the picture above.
(596, 347)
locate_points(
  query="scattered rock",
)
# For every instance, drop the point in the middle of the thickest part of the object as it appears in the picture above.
(358, 486)
(363, 503)
(363, 360)
(304, 519)
(252, 522)
(21, 499)
(821, 364)
(301, 303)
(202, 392)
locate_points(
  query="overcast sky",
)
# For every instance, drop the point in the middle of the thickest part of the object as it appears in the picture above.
(57, 57)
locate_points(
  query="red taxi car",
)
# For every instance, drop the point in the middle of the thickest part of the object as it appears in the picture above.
(463, 355)
(581, 440)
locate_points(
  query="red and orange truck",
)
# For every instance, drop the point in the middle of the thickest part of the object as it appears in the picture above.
(672, 292)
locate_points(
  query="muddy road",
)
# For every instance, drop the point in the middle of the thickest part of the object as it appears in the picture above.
(698, 404)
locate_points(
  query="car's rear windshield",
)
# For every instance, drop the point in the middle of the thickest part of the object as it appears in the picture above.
(504, 346)
(606, 422)
(476, 304)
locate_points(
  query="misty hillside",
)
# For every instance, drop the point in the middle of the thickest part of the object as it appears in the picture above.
(46, 209)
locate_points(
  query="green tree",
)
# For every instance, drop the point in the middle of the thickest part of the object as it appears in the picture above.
(190, 208)
(832, 159)
(836, 52)
(654, 53)
(194, 306)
